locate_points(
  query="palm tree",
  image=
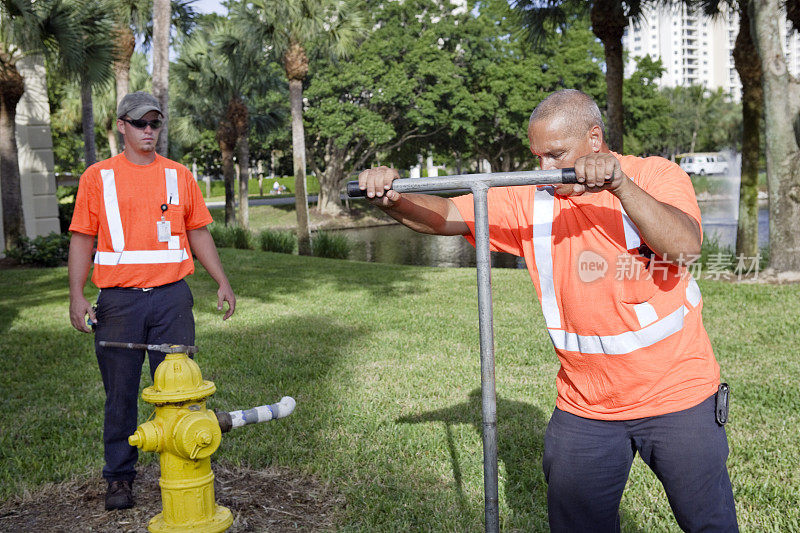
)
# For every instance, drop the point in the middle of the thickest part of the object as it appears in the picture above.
(68, 116)
(26, 28)
(745, 58)
(95, 71)
(291, 29)
(161, 26)
(136, 18)
(609, 20)
(781, 109)
(218, 72)
(130, 17)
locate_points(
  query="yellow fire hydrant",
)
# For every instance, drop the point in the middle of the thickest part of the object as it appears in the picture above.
(185, 434)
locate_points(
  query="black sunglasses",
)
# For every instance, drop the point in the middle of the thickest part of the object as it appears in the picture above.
(141, 124)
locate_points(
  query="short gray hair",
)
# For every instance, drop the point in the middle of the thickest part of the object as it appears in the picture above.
(578, 107)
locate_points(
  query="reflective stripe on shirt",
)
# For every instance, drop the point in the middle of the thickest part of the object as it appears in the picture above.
(544, 202)
(652, 329)
(141, 257)
(120, 256)
(112, 210)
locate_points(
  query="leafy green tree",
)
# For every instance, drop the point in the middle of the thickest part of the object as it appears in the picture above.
(609, 19)
(647, 111)
(26, 28)
(398, 89)
(703, 120)
(218, 72)
(506, 80)
(292, 29)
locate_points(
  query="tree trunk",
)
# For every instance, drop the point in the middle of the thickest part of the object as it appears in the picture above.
(749, 68)
(781, 115)
(229, 175)
(11, 89)
(331, 181)
(243, 216)
(111, 134)
(125, 44)
(161, 27)
(299, 159)
(87, 123)
(608, 24)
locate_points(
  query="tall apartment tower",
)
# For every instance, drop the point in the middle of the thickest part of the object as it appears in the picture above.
(695, 49)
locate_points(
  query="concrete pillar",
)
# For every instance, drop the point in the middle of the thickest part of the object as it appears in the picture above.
(35, 146)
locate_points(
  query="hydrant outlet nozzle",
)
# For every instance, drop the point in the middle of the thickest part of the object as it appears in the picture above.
(147, 437)
(262, 413)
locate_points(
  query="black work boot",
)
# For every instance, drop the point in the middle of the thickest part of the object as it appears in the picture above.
(119, 495)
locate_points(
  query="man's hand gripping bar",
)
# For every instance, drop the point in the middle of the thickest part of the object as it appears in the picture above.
(466, 181)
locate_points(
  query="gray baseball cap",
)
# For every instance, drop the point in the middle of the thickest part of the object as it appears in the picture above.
(135, 105)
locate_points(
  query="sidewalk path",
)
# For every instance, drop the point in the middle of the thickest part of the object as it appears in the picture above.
(278, 199)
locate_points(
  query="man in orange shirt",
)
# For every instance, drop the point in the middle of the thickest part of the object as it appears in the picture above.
(148, 216)
(607, 257)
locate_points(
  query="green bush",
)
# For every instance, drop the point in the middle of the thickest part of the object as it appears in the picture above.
(220, 234)
(240, 238)
(48, 251)
(331, 245)
(66, 205)
(283, 242)
(230, 236)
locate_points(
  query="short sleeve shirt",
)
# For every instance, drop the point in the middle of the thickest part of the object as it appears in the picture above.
(141, 190)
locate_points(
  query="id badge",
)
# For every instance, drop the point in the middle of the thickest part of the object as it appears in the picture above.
(164, 231)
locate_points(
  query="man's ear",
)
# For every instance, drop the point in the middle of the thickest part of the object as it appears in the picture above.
(596, 138)
(121, 126)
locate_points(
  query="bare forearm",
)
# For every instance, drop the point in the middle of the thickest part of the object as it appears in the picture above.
(79, 262)
(78, 265)
(667, 230)
(205, 250)
(427, 213)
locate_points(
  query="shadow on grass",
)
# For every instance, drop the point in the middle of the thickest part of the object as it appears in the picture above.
(52, 395)
(520, 444)
(30, 287)
(265, 275)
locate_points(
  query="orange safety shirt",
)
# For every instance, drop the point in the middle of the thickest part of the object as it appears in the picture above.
(627, 330)
(120, 202)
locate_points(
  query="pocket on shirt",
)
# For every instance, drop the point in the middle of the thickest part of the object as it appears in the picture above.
(175, 215)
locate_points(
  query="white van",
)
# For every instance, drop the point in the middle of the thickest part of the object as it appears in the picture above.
(702, 164)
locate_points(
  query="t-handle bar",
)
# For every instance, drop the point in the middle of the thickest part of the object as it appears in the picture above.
(466, 181)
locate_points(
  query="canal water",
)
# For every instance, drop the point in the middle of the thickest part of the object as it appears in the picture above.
(397, 244)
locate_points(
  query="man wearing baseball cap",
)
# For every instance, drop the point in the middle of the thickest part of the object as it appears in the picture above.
(149, 217)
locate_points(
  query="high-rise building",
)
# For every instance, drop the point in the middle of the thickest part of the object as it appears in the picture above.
(695, 49)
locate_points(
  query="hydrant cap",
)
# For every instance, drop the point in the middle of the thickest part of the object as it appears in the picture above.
(178, 379)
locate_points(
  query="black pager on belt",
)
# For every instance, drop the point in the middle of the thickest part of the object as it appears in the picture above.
(723, 403)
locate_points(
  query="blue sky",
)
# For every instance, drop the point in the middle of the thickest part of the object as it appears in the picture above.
(209, 6)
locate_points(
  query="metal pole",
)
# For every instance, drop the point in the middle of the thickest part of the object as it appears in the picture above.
(479, 184)
(486, 326)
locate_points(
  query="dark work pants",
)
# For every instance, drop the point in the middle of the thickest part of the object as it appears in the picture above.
(587, 462)
(155, 316)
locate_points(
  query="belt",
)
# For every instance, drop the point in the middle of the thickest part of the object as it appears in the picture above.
(141, 289)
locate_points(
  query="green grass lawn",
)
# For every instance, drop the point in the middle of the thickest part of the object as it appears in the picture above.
(218, 187)
(384, 363)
